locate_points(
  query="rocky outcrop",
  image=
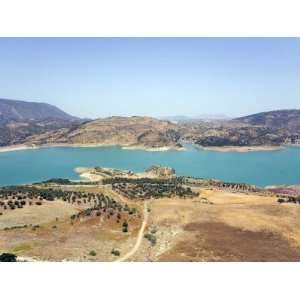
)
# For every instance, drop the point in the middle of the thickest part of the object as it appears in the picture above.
(159, 171)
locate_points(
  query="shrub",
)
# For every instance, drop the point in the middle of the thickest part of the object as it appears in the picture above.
(8, 257)
(92, 253)
(115, 252)
(153, 230)
(151, 238)
(125, 226)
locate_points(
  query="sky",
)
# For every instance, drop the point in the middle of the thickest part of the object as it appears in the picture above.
(98, 77)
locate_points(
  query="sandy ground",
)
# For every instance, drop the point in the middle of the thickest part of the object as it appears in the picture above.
(16, 148)
(157, 149)
(88, 174)
(28, 147)
(242, 149)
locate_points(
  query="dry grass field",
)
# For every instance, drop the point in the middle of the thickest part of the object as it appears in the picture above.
(49, 233)
(216, 226)
(224, 226)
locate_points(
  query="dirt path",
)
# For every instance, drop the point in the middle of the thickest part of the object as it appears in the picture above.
(26, 259)
(139, 238)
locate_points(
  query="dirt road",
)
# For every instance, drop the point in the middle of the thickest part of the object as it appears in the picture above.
(139, 237)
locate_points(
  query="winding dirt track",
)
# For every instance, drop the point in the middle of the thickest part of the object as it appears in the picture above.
(139, 238)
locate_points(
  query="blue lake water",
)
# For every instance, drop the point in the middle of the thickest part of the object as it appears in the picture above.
(259, 168)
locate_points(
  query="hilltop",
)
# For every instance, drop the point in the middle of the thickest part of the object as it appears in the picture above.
(140, 132)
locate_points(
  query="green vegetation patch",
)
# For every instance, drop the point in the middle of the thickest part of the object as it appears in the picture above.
(92, 253)
(22, 247)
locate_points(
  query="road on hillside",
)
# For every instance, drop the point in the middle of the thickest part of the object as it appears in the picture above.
(139, 237)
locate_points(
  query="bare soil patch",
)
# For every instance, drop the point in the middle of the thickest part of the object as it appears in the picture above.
(216, 241)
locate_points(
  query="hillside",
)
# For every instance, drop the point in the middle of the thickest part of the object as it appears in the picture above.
(288, 119)
(40, 124)
(267, 128)
(20, 119)
(126, 131)
(15, 110)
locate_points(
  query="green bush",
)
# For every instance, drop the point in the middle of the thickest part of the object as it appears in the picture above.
(92, 253)
(8, 257)
(151, 238)
(115, 252)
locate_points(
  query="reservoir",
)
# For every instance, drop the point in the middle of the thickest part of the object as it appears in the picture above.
(261, 168)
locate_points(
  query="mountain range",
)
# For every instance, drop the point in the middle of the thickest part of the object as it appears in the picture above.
(40, 123)
(21, 119)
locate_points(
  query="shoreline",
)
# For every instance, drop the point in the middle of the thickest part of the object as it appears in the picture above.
(157, 149)
(124, 147)
(240, 149)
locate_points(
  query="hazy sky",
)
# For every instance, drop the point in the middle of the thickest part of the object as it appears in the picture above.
(93, 77)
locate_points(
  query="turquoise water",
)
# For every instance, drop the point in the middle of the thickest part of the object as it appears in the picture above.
(260, 168)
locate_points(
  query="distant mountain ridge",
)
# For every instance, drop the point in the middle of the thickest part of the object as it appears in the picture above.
(16, 110)
(20, 119)
(34, 123)
(188, 119)
(273, 128)
(287, 118)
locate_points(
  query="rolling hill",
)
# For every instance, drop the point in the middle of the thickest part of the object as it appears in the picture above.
(126, 131)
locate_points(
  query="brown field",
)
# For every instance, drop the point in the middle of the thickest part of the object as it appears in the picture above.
(37, 215)
(236, 227)
(216, 226)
